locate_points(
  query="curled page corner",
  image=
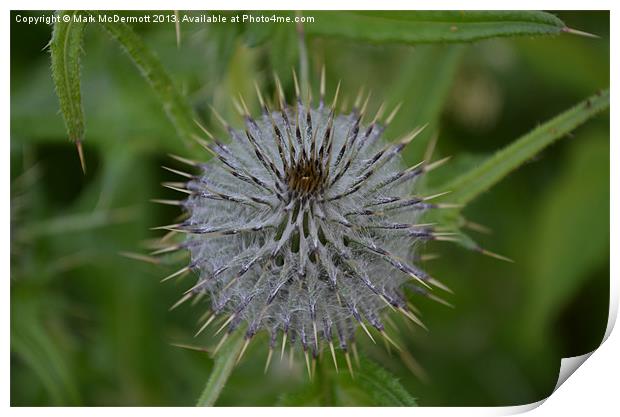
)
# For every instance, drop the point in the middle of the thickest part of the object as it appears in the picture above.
(568, 366)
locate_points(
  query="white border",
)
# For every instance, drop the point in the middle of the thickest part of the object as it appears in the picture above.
(594, 386)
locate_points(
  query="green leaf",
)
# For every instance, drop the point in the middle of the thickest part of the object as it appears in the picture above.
(66, 49)
(422, 89)
(307, 397)
(151, 68)
(256, 34)
(222, 368)
(458, 165)
(75, 222)
(370, 386)
(432, 26)
(381, 386)
(570, 241)
(473, 183)
(40, 349)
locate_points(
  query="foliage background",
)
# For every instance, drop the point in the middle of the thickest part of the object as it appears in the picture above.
(90, 327)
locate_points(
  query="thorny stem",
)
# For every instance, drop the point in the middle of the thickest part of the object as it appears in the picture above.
(175, 104)
(222, 368)
(470, 185)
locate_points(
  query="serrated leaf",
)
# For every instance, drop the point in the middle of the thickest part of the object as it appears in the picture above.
(66, 50)
(432, 26)
(379, 385)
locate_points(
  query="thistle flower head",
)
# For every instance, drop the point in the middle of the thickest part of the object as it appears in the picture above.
(305, 224)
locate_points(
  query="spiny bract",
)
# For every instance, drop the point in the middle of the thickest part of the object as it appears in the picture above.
(304, 225)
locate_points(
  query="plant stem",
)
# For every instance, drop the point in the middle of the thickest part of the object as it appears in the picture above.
(222, 368)
(485, 175)
(303, 58)
(174, 103)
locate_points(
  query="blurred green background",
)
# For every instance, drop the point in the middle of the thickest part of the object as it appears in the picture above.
(90, 327)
